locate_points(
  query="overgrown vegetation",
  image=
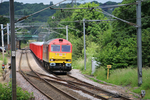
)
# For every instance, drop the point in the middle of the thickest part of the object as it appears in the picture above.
(119, 47)
(23, 45)
(5, 58)
(6, 93)
(126, 77)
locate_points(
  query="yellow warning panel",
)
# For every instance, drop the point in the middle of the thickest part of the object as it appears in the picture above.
(108, 66)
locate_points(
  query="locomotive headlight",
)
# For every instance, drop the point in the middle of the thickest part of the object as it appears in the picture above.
(52, 59)
(68, 60)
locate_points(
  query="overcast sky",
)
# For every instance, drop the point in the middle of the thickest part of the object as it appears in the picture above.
(56, 1)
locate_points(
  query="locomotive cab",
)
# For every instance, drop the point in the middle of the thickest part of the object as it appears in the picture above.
(59, 55)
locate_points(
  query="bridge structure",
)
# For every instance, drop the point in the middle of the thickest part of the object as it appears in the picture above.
(26, 37)
(40, 34)
(22, 36)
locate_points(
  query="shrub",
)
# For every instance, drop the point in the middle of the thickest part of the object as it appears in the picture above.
(5, 60)
(6, 93)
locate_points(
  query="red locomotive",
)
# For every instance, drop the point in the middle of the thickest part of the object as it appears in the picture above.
(55, 54)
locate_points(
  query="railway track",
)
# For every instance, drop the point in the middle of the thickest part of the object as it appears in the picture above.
(45, 87)
(73, 83)
(94, 89)
(77, 84)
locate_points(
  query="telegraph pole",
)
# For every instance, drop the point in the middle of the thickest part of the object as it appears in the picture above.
(44, 38)
(67, 32)
(2, 40)
(75, 2)
(84, 44)
(8, 36)
(13, 50)
(139, 42)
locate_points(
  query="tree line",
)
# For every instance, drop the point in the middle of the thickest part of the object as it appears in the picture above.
(26, 9)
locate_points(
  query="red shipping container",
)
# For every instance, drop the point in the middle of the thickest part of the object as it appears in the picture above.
(37, 49)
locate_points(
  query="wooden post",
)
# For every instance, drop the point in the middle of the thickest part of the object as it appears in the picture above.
(108, 66)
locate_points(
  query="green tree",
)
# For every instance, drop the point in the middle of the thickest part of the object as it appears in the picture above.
(6, 91)
(92, 28)
(119, 46)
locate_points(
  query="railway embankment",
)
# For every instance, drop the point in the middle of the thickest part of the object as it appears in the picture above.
(127, 78)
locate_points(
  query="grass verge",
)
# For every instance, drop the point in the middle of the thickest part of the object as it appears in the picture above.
(127, 77)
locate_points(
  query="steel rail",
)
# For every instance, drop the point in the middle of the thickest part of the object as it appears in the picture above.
(85, 84)
(56, 88)
(27, 79)
(127, 98)
(96, 88)
(72, 86)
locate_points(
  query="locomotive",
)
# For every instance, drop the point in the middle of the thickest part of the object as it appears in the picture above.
(55, 55)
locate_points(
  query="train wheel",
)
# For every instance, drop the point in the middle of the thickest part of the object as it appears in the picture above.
(46, 66)
(43, 64)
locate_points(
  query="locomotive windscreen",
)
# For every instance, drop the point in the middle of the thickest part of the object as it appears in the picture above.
(55, 48)
(65, 48)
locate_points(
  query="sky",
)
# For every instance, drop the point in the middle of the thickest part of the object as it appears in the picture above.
(57, 1)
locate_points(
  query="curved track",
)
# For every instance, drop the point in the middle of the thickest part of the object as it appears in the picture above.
(77, 84)
(94, 89)
(45, 87)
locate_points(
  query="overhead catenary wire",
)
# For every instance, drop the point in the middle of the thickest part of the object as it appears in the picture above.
(144, 0)
(38, 11)
(39, 28)
(102, 11)
(79, 21)
(107, 20)
(130, 23)
(133, 24)
(50, 29)
(57, 32)
(80, 31)
(25, 17)
(91, 8)
(133, 7)
(116, 18)
(71, 28)
(109, 6)
(103, 21)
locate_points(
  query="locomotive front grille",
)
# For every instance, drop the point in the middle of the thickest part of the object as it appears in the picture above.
(61, 66)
